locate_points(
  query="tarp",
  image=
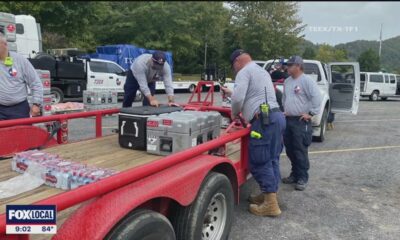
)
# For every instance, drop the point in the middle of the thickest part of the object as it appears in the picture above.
(124, 54)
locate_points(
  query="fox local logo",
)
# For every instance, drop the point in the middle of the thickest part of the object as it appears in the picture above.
(31, 214)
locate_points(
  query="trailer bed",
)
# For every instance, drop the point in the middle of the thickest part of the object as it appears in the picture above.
(103, 152)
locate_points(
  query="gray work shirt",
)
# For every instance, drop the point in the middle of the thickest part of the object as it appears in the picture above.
(144, 74)
(249, 91)
(301, 95)
(16, 79)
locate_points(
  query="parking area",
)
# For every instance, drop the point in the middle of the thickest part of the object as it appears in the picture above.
(354, 190)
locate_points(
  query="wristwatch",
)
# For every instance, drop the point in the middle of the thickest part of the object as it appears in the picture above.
(311, 114)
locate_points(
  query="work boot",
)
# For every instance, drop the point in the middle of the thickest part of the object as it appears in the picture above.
(269, 207)
(289, 180)
(300, 185)
(329, 126)
(256, 199)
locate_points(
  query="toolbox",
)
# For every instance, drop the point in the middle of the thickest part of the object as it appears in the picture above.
(132, 124)
(91, 97)
(174, 132)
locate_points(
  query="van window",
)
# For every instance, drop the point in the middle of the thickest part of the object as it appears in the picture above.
(362, 77)
(377, 78)
(98, 67)
(386, 78)
(392, 79)
(312, 68)
(20, 28)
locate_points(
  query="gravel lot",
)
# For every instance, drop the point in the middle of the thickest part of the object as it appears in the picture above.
(353, 191)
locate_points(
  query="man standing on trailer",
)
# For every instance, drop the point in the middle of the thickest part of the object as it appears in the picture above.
(254, 88)
(16, 76)
(301, 101)
(143, 74)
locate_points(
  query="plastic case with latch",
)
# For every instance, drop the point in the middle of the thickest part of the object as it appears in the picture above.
(132, 124)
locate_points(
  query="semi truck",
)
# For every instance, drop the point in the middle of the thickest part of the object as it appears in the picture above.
(187, 195)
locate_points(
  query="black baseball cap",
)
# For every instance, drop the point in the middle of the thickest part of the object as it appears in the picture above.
(158, 57)
(236, 54)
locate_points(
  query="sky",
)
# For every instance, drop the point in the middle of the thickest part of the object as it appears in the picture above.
(341, 22)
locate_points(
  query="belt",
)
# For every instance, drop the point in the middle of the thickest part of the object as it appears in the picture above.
(257, 114)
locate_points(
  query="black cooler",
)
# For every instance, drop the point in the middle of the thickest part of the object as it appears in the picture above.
(132, 124)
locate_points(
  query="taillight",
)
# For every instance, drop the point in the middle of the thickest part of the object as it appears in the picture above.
(167, 122)
(152, 123)
(47, 107)
(11, 28)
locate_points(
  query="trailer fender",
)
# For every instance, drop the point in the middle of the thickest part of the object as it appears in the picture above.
(21, 138)
(179, 183)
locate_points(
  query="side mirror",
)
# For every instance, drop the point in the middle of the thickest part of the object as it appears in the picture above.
(123, 73)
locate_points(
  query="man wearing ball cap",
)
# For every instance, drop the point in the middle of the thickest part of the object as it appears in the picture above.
(143, 74)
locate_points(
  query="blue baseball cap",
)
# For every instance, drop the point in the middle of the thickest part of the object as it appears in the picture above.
(158, 57)
(236, 54)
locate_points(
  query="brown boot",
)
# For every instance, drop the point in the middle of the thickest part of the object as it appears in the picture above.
(268, 208)
(256, 199)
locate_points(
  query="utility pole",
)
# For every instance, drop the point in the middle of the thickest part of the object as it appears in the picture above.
(205, 55)
(380, 42)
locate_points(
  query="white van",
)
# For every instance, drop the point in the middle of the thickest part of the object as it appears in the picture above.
(377, 85)
(29, 36)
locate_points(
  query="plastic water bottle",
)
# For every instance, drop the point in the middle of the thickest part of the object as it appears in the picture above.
(75, 180)
(65, 182)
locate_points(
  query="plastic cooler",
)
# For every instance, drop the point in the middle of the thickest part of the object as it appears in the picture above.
(132, 124)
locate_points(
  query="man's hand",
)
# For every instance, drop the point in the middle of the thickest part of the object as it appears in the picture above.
(153, 101)
(305, 117)
(171, 102)
(226, 91)
(35, 111)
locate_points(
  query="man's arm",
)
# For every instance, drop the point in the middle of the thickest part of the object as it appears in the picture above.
(239, 92)
(139, 72)
(315, 96)
(169, 87)
(33, 81)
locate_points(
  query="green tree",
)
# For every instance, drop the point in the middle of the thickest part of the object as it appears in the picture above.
(327, 53)
(309, 53)
(369, 61)
(266, 29)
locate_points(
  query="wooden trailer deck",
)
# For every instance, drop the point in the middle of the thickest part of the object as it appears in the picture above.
(104, 152)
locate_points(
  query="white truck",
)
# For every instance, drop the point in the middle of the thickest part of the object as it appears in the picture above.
(22, 32)
(378, 84)
(339, 83)
(70, 77)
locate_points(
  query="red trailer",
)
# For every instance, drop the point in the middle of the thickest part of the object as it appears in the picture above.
(187, 195)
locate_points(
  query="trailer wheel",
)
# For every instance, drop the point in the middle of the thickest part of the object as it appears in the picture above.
(322, 132)
(143, 224)
(192, 87)
(210, 216)
(374, 96)
(58, 95)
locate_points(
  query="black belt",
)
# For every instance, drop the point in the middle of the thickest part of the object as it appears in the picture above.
(256, 115)
(293, 117)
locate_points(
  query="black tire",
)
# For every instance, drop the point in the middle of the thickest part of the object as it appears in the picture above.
(58, 95)
(217, 88)
(192, 87)
(321, 137)
(44, 56)
(139, 97)
(384, 98)
(143, 224)
(190, 222)
(374, 96)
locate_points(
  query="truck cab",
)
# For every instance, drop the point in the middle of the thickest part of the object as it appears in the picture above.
(29, 36)
(339, 83)
(377, 85)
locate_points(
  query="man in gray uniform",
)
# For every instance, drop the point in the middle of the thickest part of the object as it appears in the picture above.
(301, 101)
(16, 75)
(143, 74)
(253, 88)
